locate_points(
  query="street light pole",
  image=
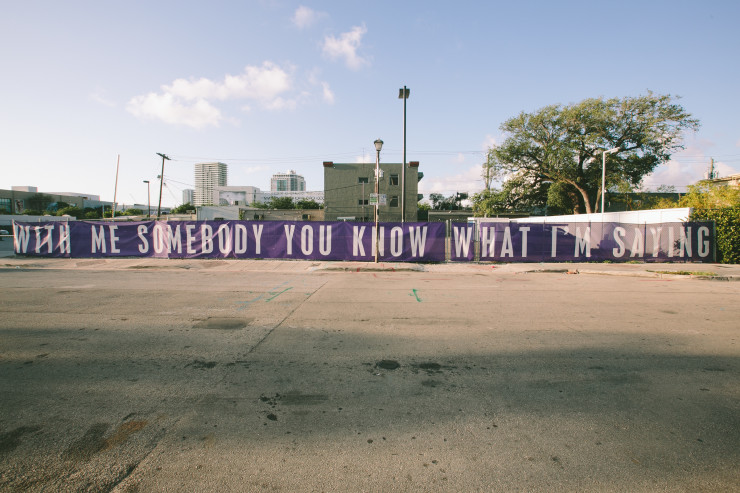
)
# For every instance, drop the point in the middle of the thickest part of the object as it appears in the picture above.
(161, 182)
(603, 177)
(378, 146)
(403, 94)
(148, 200)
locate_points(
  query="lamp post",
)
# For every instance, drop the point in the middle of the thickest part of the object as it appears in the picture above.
(603, 177)
(378, 146)
(403, 94)
(148, 200)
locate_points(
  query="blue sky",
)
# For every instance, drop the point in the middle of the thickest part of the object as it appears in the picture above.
(267, 86)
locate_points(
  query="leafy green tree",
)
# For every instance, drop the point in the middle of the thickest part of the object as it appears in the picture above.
(451, 203)
(38, 202)
(307, 204)
(132, 212)
(564, 144)
(423, 211)
(519, 193)
(707, 195)
(71, 211)
(281, 203)
(183, 209)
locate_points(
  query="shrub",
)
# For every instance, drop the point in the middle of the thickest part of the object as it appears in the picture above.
(727, 231)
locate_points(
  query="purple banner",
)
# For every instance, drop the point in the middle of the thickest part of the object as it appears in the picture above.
(595, 242)
(408, 242)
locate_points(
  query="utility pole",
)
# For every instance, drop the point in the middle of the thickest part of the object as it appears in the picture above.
(115, 190)
(161, 182)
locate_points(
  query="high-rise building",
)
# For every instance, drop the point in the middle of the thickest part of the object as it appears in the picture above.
(287, 182)
(188, 196)
(207, 177)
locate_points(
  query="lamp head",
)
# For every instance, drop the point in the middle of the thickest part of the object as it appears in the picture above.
(378, 145)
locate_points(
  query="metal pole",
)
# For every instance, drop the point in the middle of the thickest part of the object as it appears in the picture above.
(404, 93)
(148, 200)
(161, 182)
(377, 202)
(115, 190)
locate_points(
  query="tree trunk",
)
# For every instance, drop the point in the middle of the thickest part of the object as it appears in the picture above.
(584, 195)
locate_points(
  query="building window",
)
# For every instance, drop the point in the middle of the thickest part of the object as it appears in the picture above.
(362, 179)
(362, 202)
(5, 206)
(394, 201)
(394, 179)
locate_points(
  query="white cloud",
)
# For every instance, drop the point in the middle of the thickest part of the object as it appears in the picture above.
(686, 168)
(262, 84)
(345, 47)
(170, 109)
(99, 97)
(190, 102)
(327, 93)
(490, 141)
(469, 181)
(306, 17)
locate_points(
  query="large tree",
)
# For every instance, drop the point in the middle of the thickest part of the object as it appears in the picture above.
(564, 144)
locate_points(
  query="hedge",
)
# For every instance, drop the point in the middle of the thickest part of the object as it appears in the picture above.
(727, 228)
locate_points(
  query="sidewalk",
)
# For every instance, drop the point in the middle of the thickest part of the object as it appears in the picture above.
(679, 270)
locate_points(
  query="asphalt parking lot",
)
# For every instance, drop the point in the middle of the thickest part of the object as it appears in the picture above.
(135, 375)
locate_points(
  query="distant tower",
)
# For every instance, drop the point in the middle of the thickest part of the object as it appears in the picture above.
(188, 196)
(711, 174)
(207, 177)
(287, 182)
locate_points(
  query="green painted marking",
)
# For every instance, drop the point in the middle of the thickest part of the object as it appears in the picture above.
(277, 294)
(417, 295)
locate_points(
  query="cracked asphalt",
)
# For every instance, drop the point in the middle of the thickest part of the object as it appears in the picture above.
(134, 375)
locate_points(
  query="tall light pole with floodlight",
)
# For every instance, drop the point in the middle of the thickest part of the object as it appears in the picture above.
(403, 94)
(603, 177)
(378, 146)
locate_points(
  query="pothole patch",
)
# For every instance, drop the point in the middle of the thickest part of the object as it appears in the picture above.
(388, 364)
(221, 323)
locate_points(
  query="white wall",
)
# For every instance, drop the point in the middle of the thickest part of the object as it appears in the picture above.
(654, 216)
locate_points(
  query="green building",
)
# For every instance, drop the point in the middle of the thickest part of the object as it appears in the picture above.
(348, 189)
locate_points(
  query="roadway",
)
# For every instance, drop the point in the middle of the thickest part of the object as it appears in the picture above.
(144, 375)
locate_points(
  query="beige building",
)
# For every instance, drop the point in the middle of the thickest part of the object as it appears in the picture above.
(348, 189)
(208, 176)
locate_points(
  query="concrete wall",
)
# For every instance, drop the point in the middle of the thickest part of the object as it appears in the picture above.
(653, 216)
(234, 213)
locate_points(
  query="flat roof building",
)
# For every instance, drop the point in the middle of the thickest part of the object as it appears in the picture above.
(287, 182)
(207, 177)
(347, 189)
